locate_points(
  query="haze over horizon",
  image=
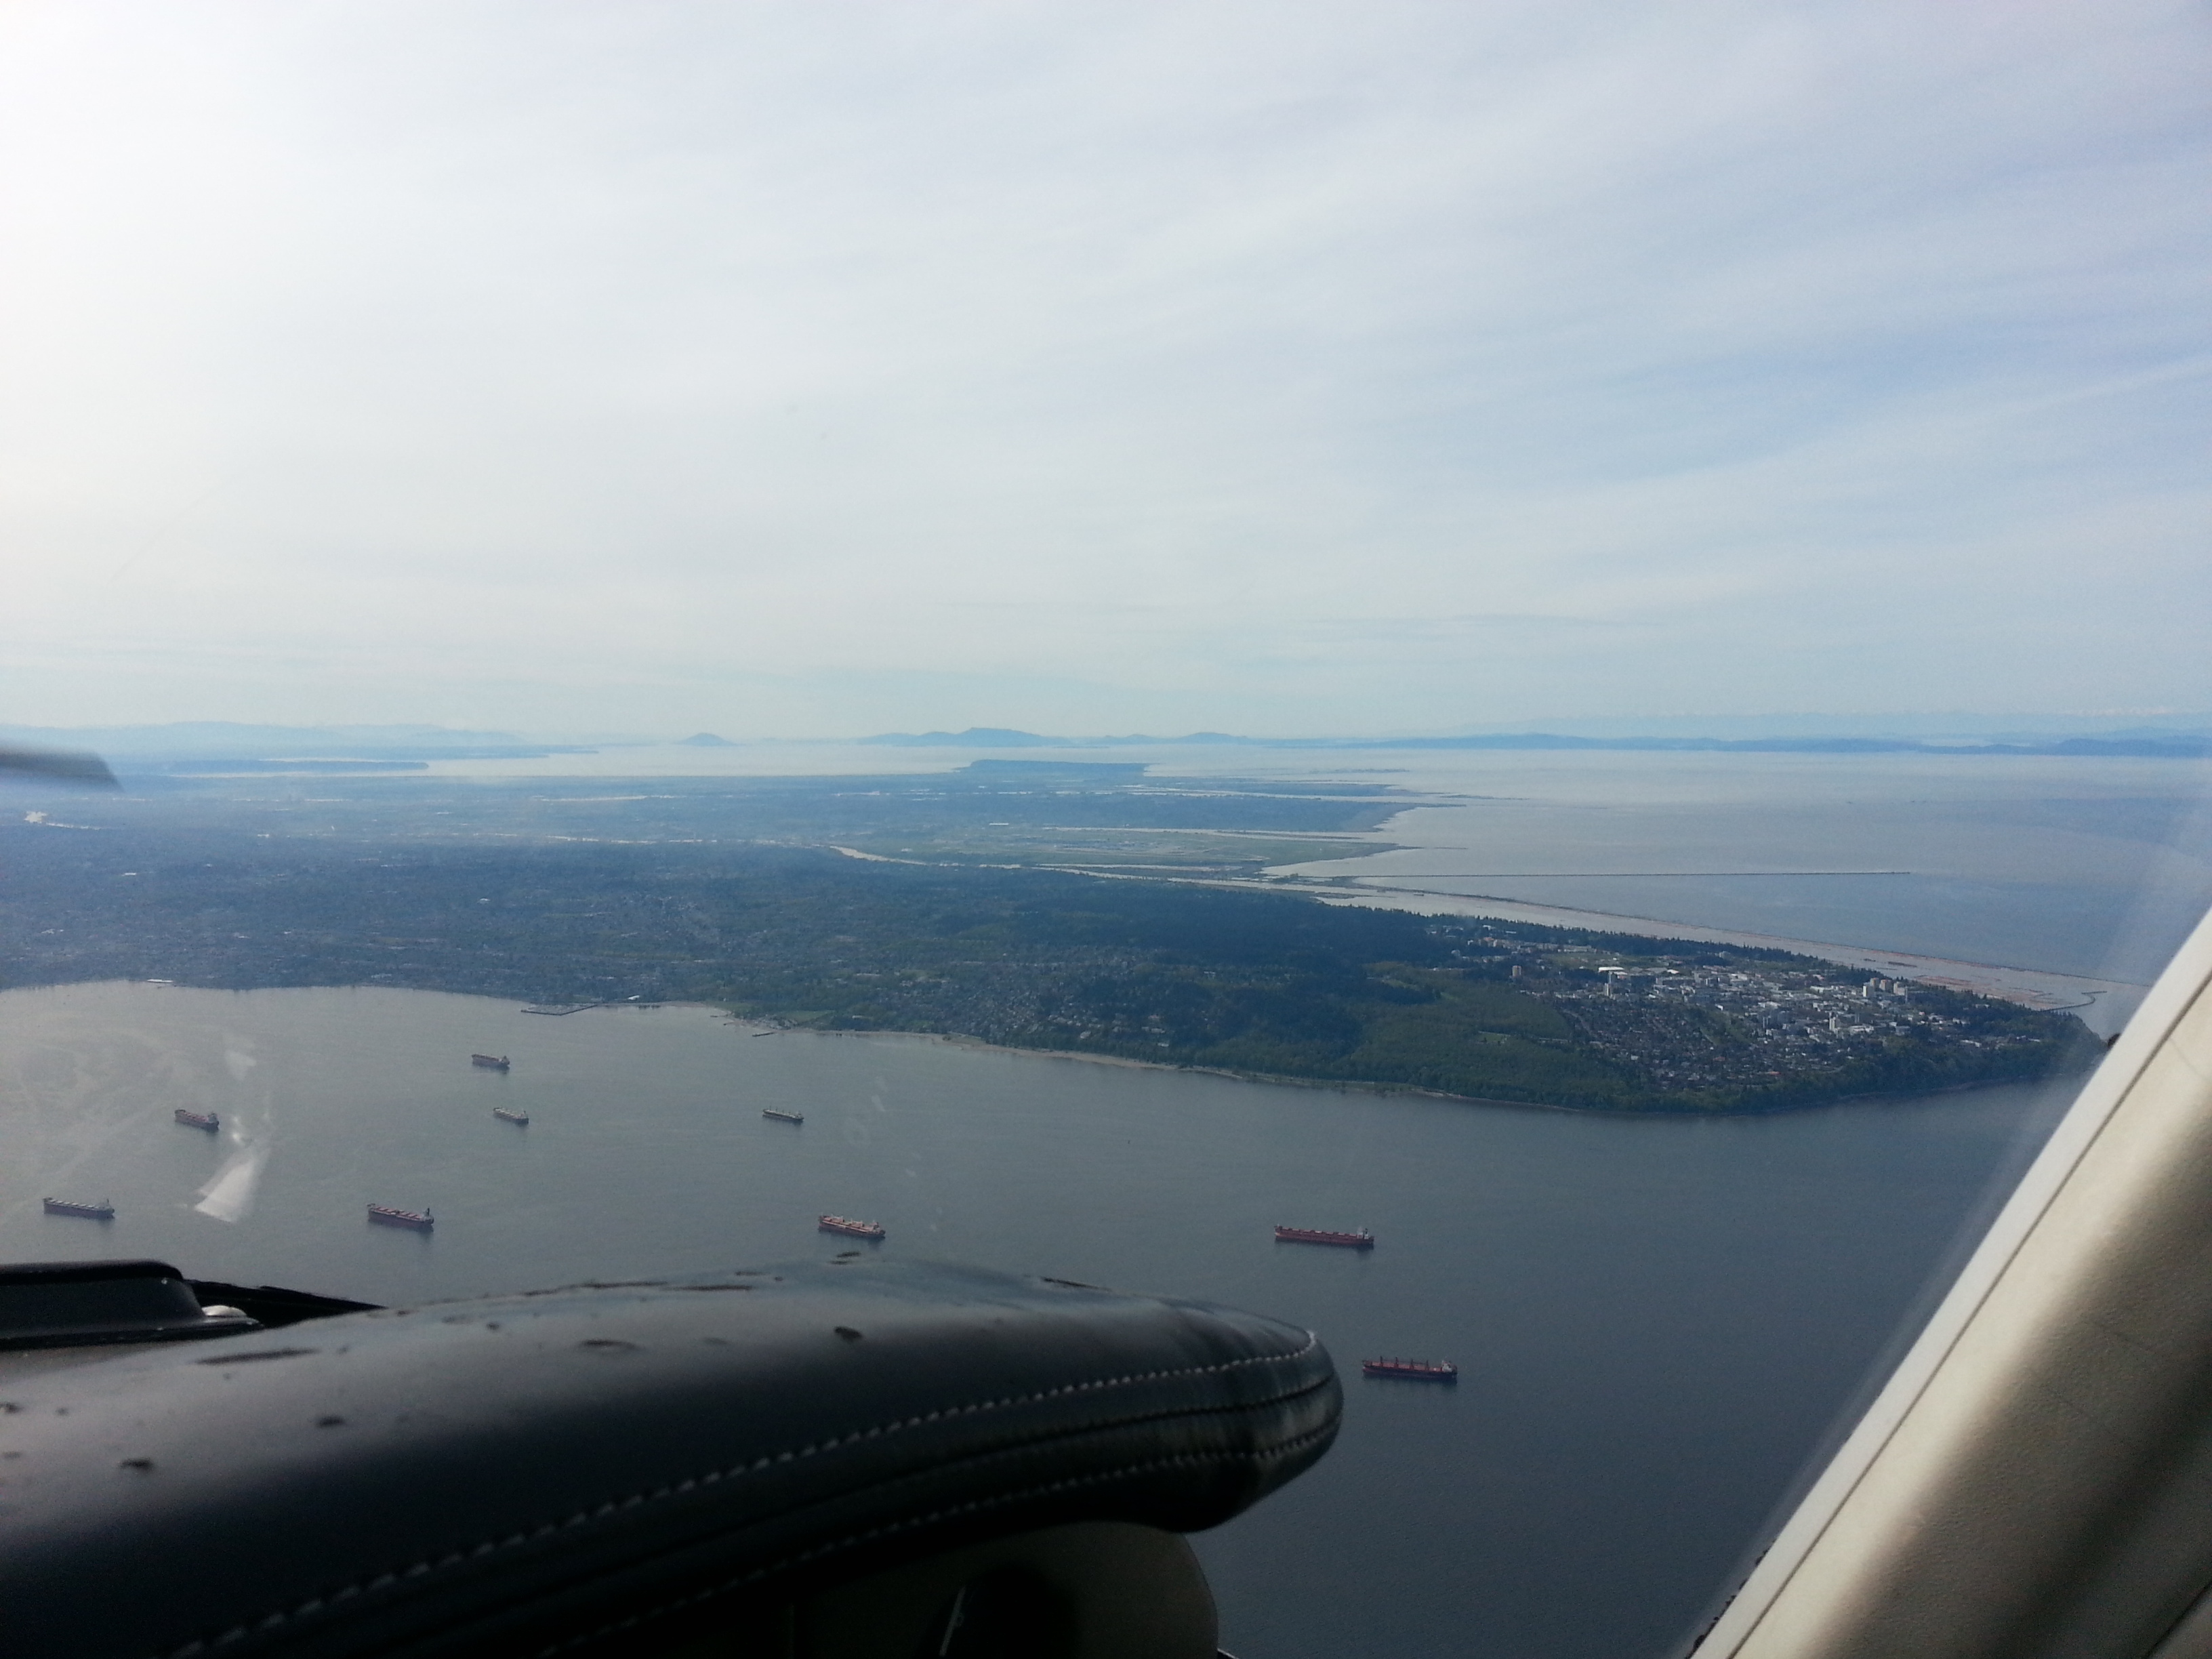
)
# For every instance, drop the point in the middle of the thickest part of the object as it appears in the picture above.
(2167, 731)
(1280, 370)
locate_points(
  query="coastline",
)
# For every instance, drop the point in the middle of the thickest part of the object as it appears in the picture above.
(1352, 1085)
(2105, 1004)
(757, 1026)
(2043, 989)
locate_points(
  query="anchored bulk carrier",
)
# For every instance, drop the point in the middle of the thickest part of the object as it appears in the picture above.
(421, 1220)
(496, 1062)
(207, 1120)
(1362, 1240)
(1413, 1371)
(102, 1210)
(782, 1117)
(508, 1114)
(838, 1224)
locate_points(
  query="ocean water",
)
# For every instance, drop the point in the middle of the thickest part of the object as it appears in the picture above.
(2093, 867)
(1659, 1323)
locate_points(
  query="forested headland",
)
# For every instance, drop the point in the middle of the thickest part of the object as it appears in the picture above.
(1155, 970)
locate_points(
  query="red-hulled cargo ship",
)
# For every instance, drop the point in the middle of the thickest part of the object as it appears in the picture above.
(420, 1220)
(496, 1062)
(207, 1121)
(1362, 1240)
(1416, 1370)
(838, 1224)
(102, 1210)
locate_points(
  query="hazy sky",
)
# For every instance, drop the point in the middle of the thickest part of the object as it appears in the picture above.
(833, 368)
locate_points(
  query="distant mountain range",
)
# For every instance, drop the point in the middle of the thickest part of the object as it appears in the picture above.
(2145, 742)
(188, 747)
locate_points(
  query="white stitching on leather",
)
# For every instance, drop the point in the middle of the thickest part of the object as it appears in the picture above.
(583, 1518)
(935, 1516)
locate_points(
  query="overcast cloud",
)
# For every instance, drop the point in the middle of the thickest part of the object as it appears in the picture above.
(784, 369)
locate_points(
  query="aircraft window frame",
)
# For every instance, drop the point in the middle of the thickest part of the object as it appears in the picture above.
(1933, 1442)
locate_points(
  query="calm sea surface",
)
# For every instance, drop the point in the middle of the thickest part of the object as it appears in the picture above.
(2093, 867)
(1657, 1323)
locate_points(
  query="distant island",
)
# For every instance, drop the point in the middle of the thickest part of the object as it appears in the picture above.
(1254, 983)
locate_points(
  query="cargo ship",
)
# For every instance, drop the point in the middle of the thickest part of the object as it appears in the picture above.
(1416, 1370)
(102, 1210)
(507, 1115)
(782, 1117)
(1362, 1240)
(420, 1220)
(838, 1224)
(496, 1062)
(207, 1121)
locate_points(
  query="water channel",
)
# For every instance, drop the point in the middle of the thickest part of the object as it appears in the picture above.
(1657, 1321)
